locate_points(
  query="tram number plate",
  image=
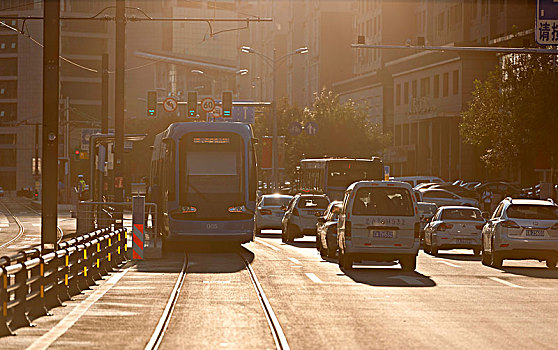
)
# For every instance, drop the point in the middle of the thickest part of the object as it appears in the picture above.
(211, 226)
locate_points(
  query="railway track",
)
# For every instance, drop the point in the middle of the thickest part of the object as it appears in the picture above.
(21, 232)
(273, 323)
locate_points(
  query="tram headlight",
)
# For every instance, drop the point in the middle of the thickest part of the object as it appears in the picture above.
(236, 209)
(187, 209)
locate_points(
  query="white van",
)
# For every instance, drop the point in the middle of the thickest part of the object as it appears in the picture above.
(415, 180)
(379, 221)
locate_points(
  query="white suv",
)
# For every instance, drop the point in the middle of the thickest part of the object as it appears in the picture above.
(521, 229)
(379, 221)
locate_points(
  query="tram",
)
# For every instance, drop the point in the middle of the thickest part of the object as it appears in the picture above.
(203, 180)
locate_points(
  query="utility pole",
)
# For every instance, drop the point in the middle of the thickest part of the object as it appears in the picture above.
(104, 93)
(274, 155)
(119, 108)
(51, 80)
(67, 149)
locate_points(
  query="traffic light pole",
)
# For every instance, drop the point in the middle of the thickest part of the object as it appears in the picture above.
(49, 161)
(119, 109)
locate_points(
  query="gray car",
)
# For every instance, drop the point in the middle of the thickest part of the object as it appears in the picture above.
(326, 230)
(269, 213)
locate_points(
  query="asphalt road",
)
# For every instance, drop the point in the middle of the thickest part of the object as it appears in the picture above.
(452, 301)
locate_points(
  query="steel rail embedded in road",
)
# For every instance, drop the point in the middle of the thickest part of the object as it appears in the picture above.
(21, 230)
(276, 330)
(60, 231)
(164, 321)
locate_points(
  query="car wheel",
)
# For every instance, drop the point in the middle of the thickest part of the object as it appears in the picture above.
(290, 233)
(433, 249)
(495, 257)
(485, 257)
(283, 235)
(347, 262)
(408, 263)
(427, 248)
(476, 251)
(258, 230)
(551, 263)
(340, 259)
(331, 251)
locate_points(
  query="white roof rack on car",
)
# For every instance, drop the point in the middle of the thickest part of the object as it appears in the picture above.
(509, 199)
(551, 200)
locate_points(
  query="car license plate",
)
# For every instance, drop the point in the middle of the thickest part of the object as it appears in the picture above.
(382, 234)
(535, 233)
(464, 241)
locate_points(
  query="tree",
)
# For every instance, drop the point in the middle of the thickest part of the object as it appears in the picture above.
(512, 115)
(344, 130)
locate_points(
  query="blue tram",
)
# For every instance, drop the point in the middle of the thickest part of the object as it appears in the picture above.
(204, 180)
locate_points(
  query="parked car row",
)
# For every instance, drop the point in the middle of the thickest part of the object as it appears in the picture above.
(384, 221)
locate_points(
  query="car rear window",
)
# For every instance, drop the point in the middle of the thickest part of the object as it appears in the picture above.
(531, 211)
(462, 214)
(275, 201)
(384, 201)
(427, 208)
(313, 202)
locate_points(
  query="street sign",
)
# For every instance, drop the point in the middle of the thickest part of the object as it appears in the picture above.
(294, 128)
(170, 104)
(244, 114)
(208, 104)
(546, 32)
(311, 128)
(217, 112)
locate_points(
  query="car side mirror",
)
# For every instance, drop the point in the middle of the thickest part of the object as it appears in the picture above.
(321, 220)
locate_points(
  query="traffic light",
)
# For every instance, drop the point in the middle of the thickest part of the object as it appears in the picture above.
(227, 104)
(192, 104)
(76, 154)
(151, 103)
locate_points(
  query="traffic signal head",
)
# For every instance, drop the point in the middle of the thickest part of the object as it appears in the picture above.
(152, 103)
(227, 104)
(192, 104)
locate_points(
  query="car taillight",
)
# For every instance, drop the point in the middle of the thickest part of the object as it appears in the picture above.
(443, 226)
(417, 229)
(347, 229)
(295, 212)
(265, 211)
(509, 224)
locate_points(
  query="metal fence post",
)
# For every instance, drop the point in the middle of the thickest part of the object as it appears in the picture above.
(4, 327)
(20, 318)
(62, 272)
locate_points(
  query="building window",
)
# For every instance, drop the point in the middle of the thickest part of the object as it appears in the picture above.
(455, 82)
(436, 86)
(425, 87)
(406, 93)
(398, 94)
(445, 86)
(414, 89)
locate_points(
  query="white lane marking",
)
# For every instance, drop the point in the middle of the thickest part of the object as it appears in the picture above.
(505, 282)
(67, 322)
(4, 225)
(267, 245)
(295, 261)
(448, 263)
(314, 278)
(36, 225)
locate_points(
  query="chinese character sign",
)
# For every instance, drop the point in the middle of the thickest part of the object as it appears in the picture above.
(546, 32)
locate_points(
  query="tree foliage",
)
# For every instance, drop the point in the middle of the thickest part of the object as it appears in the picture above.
(344, 130)
(512, 114)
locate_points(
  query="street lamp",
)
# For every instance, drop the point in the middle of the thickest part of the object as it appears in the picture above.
(274, 63)
(242, 71)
